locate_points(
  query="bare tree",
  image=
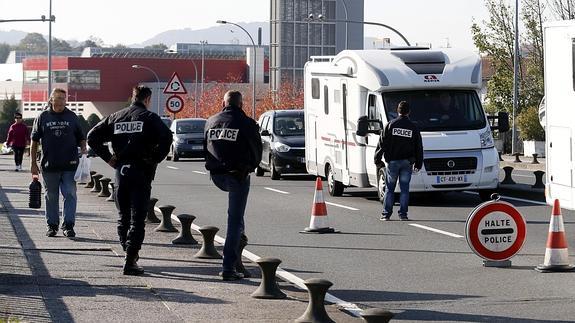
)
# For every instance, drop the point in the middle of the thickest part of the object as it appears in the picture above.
(562, 9)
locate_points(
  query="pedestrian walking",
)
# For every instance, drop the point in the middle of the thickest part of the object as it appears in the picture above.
(18, 139)
(233, 150)
(401, 147)
(140, 141)
(58, 130)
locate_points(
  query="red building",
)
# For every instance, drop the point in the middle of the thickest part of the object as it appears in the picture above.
(102, 85)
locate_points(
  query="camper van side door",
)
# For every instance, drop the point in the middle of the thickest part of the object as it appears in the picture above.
(373, 112)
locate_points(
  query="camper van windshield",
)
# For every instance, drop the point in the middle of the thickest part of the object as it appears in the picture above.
(438, 110)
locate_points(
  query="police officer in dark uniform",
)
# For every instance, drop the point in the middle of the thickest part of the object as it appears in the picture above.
(401, 147)
(233, 150)
(140, 140)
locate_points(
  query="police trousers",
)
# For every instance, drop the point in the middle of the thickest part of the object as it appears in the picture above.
(134, 186)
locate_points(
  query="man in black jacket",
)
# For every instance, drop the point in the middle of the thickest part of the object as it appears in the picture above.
(233, 150)
(401, 147)
(140, 140)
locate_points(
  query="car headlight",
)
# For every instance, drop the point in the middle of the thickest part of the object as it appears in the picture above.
(181, 140)
(486, 139)
(282, 148)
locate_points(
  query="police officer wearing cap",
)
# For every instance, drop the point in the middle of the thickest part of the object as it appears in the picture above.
(233, 150)
(401, 146)
(140, 140)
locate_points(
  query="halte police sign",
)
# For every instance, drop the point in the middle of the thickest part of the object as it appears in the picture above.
(495, 231)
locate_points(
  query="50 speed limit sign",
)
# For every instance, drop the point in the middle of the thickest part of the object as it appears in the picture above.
(495, 230)
(174, 104)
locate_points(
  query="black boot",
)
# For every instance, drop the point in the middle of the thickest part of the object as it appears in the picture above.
(131, 266)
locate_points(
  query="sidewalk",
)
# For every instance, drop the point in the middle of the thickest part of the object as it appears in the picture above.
(79, 280)
(525, 163)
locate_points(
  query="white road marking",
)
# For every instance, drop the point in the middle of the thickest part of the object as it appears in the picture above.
(513, 199)
(172, 167)
(199, 172)
(274, 190)
(342, 206)
(436, 230)
(289, 277)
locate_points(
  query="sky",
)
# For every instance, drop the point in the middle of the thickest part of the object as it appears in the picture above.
(439, 22)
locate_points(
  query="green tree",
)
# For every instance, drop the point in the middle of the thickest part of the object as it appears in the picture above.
(4, 52)
(563, 9)
(90, 43)
(9, 107)
(33, 42)
(529, 126)
(60, 45)
(120, 46)
(93, 120)
(157, 46)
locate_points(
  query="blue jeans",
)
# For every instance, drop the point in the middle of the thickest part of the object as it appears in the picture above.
(238, 191)
(54, 182)
(397, 169)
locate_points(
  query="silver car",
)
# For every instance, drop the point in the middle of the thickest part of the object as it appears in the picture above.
(188, 138)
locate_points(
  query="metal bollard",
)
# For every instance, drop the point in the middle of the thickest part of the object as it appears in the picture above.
(538, 179)
(185, 237)
(517, 160)
(166, 224)
(268, 288)
(499, 153)
(315, 312)
(97, 185)
(112, 197)
(376, 315)
(151, 216)
(104, 192)
(508, 179)
(90, 184)
(239, 265)
(535, 161)
(208, 250)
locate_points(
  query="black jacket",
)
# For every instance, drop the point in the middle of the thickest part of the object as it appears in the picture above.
(400, 139)
(232, 142)
(138, 137)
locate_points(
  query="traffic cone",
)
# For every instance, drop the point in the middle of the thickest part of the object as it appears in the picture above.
(556, 253)
(319, 222)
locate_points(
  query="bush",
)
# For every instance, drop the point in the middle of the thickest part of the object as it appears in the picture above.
(529, 126)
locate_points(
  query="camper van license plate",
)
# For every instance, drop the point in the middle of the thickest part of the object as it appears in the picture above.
(450, 179)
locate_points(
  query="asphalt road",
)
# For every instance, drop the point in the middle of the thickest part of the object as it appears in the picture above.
(419, 274)
(521, 176)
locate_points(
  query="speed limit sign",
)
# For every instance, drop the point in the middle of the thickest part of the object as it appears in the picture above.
(174, 104)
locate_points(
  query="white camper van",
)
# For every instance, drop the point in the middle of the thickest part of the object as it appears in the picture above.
(559, 44)
(351, 96)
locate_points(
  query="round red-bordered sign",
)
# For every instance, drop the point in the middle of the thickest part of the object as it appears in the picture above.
(495, 230)
(174, 104)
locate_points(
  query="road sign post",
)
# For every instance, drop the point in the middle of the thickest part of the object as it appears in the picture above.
(174, 104)
(495, 231)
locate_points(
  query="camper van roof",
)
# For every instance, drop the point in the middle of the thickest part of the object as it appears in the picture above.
(386, 70)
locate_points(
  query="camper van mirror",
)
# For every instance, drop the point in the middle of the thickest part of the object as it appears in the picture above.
(503, 122)
(362, 126)
(265, 132)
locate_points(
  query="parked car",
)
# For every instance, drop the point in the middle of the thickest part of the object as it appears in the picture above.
(167, 121)
(283, 139)
(188, 138)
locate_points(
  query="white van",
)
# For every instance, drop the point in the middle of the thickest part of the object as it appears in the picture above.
(559, 45)
(351, 96)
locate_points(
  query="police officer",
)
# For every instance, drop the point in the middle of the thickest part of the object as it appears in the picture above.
(401, 147)
(140, 140)
(233, 150)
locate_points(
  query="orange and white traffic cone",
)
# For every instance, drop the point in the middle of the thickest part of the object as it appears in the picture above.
(556, 253)
(319, 222)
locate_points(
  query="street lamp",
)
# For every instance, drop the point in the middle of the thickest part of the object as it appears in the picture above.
(136, 66)
(321, 18)
(202, 43)
(515, 78)
(254, 67)
(346, 18)
(195, 90)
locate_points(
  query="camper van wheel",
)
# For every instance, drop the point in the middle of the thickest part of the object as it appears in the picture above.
(381, 184)
(334, 187)
(274, 174)
(259, 171)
